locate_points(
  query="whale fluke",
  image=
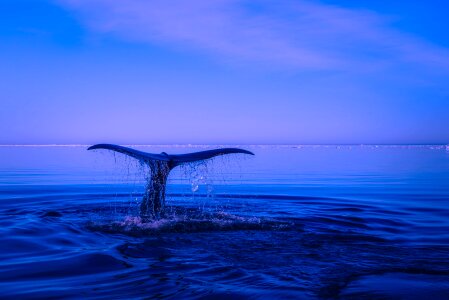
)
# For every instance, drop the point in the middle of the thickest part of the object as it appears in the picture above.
(160, 165)
(140, 155)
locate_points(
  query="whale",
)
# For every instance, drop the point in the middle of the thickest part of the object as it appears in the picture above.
(153, 201)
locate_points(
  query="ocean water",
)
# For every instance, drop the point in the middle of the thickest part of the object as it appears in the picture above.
(291, 222)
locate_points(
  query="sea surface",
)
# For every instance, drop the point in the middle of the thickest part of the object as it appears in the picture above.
(291, 222)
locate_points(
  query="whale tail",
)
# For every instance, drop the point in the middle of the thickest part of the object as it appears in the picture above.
(160, 165)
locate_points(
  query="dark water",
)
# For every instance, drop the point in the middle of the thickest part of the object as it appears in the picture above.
(291, 222)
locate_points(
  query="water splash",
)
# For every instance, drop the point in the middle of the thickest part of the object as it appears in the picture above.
(188, 221)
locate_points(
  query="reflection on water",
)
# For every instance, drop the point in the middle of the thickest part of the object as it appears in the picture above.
(292, 222)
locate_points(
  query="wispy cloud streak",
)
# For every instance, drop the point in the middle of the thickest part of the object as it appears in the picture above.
(300, 34)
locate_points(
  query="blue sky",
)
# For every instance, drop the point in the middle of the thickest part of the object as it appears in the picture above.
(223, 71)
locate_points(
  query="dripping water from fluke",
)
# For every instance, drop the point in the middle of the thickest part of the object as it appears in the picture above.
(152, 205)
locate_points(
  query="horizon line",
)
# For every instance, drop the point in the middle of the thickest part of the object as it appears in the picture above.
(230, 144)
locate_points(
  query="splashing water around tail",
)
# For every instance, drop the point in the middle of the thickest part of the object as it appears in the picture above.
(153, 202)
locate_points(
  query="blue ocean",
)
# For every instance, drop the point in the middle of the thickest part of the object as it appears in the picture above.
(290, 222)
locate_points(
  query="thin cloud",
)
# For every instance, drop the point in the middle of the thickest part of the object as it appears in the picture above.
(300, 34)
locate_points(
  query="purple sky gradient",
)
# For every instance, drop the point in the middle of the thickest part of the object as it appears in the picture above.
(298, 34)
(223, 71)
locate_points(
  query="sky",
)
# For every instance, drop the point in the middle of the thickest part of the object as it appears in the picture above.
(224, 72)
